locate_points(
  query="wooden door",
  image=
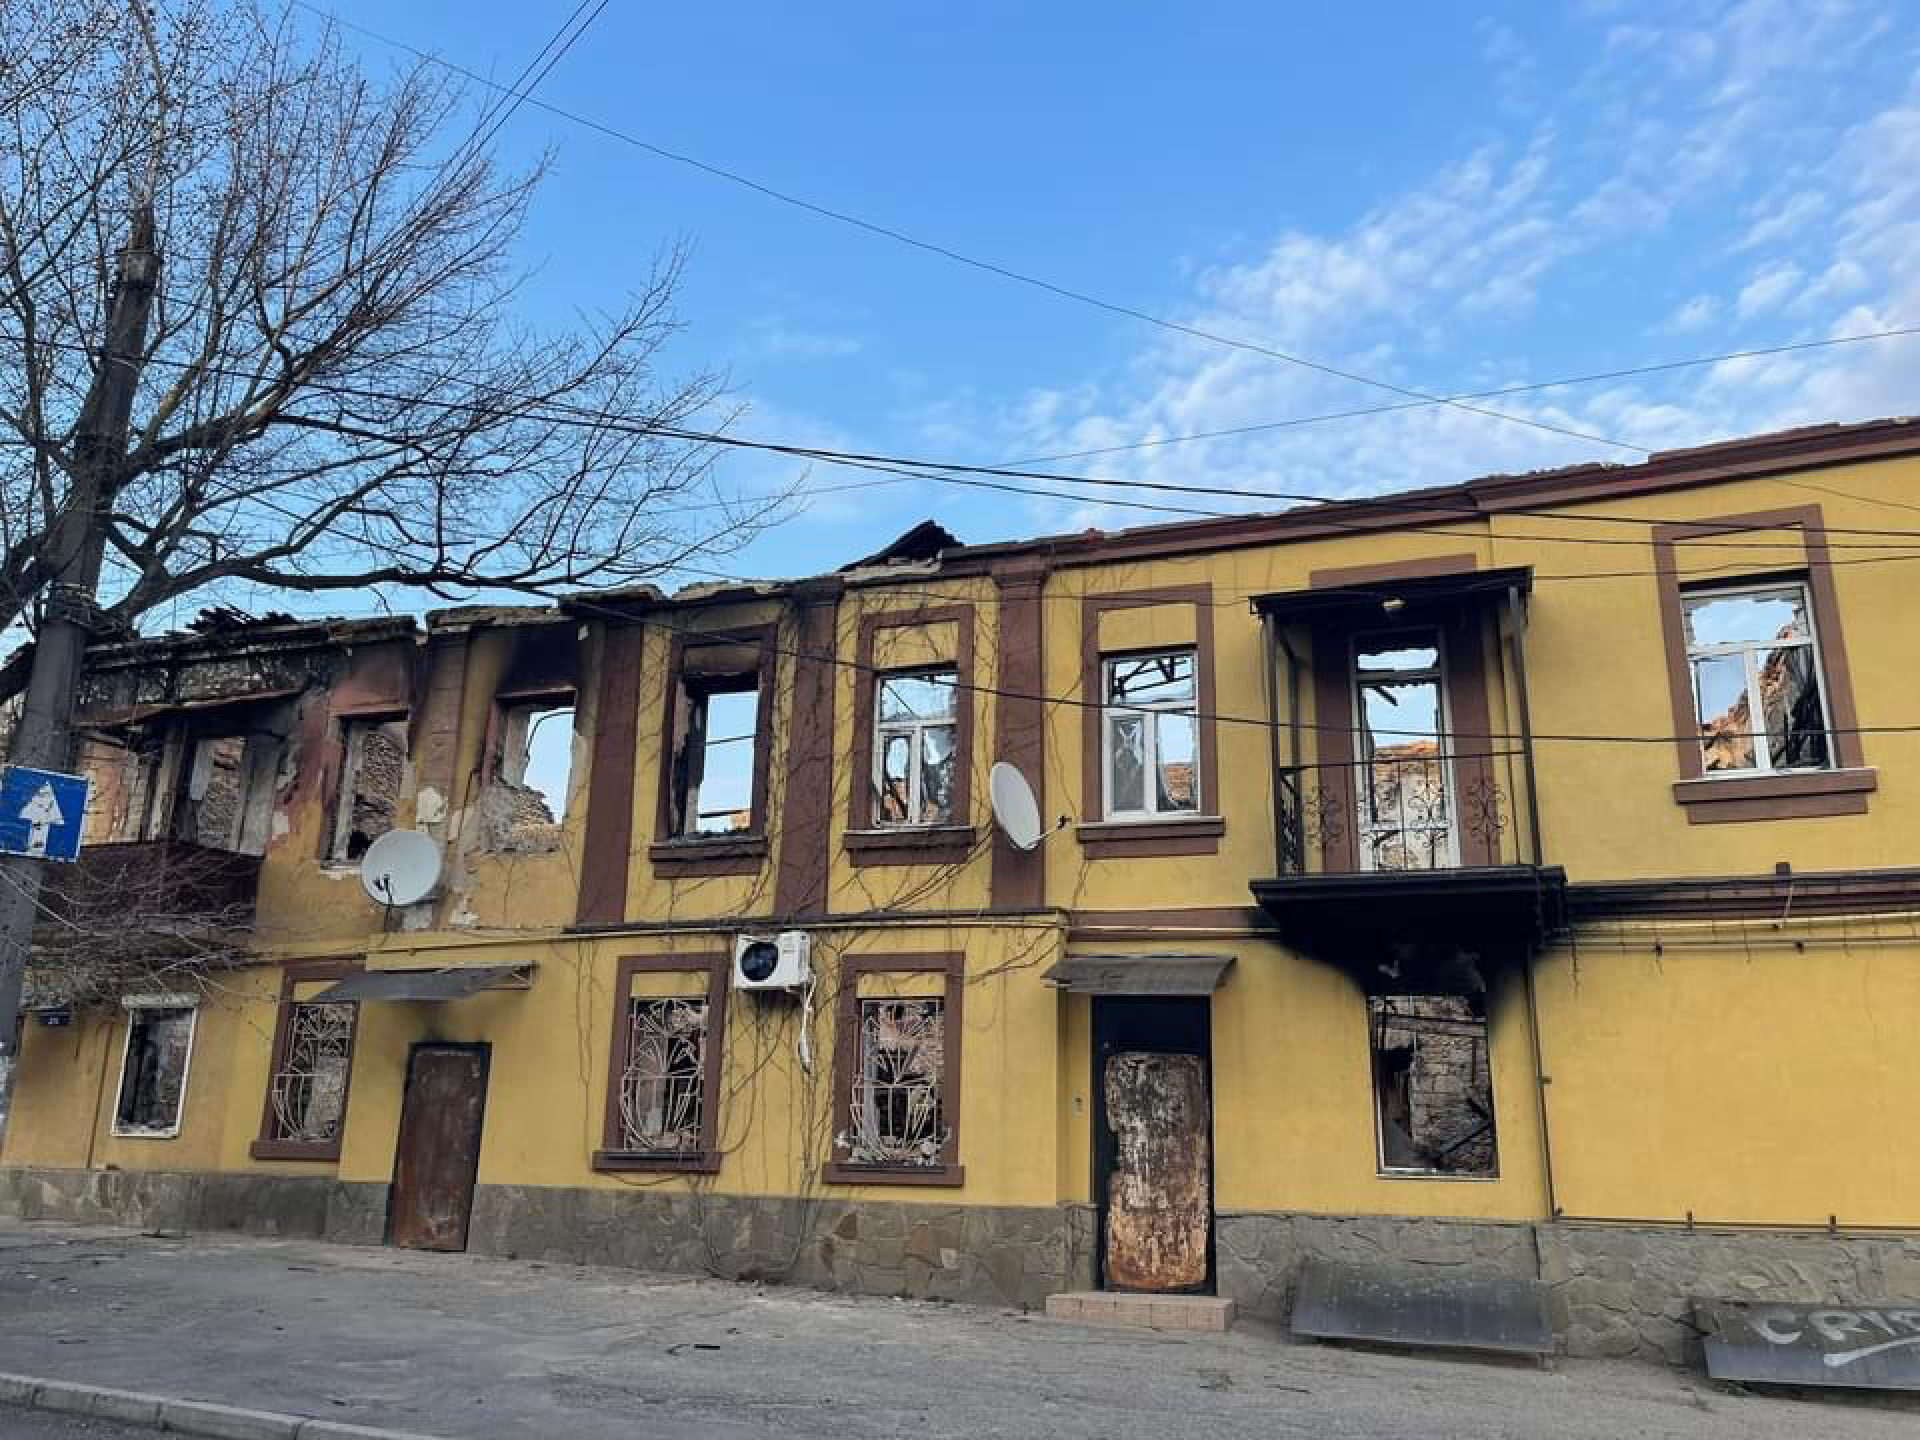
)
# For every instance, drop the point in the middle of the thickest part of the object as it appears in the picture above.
(1159, 1188)
(439, 1149)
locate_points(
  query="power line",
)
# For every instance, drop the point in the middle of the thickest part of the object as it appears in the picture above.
(988, 267)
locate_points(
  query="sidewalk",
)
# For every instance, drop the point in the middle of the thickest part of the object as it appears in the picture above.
(461, 1347)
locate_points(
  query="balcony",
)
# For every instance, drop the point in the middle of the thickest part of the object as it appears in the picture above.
(157, 888)
(1406, 828)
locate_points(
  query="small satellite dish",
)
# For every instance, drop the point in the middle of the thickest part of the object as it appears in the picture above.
(1014, 807)
(400, 868)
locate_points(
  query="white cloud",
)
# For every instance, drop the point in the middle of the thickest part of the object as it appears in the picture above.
(1697, 314)
(1770, 288)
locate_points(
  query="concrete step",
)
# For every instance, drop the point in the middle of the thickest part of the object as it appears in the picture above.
(1142, 1312)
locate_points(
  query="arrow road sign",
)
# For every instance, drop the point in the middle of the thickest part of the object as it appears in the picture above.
(41, 812)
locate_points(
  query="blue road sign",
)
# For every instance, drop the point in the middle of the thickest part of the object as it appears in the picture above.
(40, 813)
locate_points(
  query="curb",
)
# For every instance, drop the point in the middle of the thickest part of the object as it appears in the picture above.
(181, 1417)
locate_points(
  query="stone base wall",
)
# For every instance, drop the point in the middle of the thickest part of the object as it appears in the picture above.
(301, 1207)
(982, 1255)
(1612, 1290)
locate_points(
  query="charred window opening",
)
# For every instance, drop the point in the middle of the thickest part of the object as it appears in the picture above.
(527, 804)
(715, 781)
(1151, 735)
(226, 789)
(915, 728)
(1400, 706)
(1755, 666)
(153, 1068)
(373, 767)
(663, 1084)
(895, 1117)
(309, 1086)
(1433, 1092)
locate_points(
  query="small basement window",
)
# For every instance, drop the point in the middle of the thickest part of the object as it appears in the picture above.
(717, 753)
(373, 765)
(153, 1067)
(529, 801)
(1432, 1089)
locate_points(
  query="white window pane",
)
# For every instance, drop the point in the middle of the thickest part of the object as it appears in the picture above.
(1755, 618)
(917, 697)
(1151, 679)
(1790, 696)
(1127, 762)
(896, 765)
(936, 775)
(155, 1070)
(1177, 762)
(1726, 719)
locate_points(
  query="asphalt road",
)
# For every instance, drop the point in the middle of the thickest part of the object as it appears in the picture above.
(482, 1349)
(39, 1425)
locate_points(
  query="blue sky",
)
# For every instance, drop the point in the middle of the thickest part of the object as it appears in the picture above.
(1445, 198)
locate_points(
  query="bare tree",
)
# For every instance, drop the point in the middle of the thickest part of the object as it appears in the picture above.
(333, 391)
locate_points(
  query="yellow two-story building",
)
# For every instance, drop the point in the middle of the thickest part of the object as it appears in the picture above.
(1520, 878)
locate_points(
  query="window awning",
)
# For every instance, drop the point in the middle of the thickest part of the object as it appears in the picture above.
(1139, 974)
(1413, 590)
(452, 984)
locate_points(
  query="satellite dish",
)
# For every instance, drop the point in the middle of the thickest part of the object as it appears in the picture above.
(1014, 807)
(400, 868)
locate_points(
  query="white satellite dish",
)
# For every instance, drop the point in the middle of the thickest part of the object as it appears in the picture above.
(1014, 807)
(400, 868)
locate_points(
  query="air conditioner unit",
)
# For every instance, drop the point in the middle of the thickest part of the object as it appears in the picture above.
(772, 962)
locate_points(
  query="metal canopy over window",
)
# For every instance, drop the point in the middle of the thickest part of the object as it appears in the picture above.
(451, 984)
(1139, 974)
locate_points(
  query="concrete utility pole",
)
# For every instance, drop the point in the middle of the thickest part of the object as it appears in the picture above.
(76, 548)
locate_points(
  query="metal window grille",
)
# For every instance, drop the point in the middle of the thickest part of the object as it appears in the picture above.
(662, 1088)
(897, 1112)
(310, 1085)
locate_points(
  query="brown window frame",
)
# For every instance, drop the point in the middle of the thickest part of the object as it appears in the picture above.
(292, 975)
(1709, 800)
(865, 842)
(1198, 834)
(951, 966)
(613, 1156)
(743, 853)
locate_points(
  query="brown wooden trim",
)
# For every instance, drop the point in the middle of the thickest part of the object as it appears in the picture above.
(612, 1156)
(720, 855)
(1092, 716)
(922, 845)
(1793, 796)
(803, 872)
(1816, 572)
(865, 687)
(1470, 746)
(1333, 746)
(1018, 880)
(1425, 567)
(952, 965)
(607, 851)
(1118, 839)
(765, 638)
(293, 974)
(1775, 897)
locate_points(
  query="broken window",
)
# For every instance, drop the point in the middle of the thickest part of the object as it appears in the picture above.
(663, 1084)
(1404, 809)
(915, 730)
(897, 1104)
(373, 765)
(718, 755)
(225, 800)
(1743, 644)
(529, 800)
(308, 1097)
(1150, 734)
(1432, 1090)
(153, 1067)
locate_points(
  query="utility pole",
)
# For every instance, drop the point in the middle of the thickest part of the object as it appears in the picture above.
(76, 548)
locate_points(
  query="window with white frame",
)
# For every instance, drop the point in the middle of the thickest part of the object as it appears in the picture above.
(1399, 707)
(1150, 735)
(915, 729)
(153, 1066)
(1755, 666)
